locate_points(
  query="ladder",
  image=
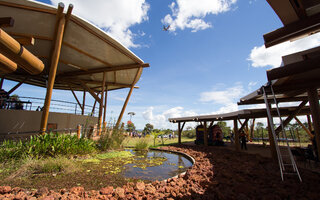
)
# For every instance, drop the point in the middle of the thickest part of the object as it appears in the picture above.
(286, 160)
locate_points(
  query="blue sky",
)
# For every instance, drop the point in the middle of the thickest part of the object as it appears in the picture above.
(212, 55)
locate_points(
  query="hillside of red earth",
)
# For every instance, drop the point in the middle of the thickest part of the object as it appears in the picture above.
(218, 173)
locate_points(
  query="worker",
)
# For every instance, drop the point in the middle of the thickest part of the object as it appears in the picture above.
(243, 140)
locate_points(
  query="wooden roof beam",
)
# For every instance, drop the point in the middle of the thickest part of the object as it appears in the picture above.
(6, 22)
(103, 69)
(7, 65)
(294, 30)
(25, 40)
(93, 94)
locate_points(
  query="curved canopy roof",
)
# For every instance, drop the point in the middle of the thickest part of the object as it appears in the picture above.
(86, 52)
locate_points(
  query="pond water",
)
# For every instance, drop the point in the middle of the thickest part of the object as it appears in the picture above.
(156, 165)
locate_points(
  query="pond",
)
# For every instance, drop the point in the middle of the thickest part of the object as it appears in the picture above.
(163, 166)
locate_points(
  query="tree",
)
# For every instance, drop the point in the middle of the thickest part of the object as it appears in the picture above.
(259, 125)
(130, 126)
(148, 128)
(155, 135)
(225, 129)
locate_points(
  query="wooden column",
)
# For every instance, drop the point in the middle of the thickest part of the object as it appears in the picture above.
(179, 133)
(128, 97)
(105, 105)
(205, 137)
(236, 135)
(315, 114)
(83, 102)
(53, 70)
(101, 103)
(309, 123)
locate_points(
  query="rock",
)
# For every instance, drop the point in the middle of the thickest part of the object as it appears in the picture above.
(106, 190)
(140, 186)
(42, 191)
(120, 192)
(79, 191)
(150, 189)
(5, 189)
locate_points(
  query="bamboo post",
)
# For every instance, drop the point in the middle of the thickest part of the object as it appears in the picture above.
(205, 137)
(315, 111)
(128, 96)
(179, 133)
(101, 103)
(309, 123)
(236, 135)
(79, 131)
(52, 73)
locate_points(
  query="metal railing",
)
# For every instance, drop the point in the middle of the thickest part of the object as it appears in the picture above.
(35, 103)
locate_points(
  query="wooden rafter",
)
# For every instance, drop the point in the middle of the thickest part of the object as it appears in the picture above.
(7, 65)
(17, 86)
(243, 125)
(6, 22)
(75, 96)
(84, 86)
(104, 69)
(101, 103)
(303, 126)
(293, 30)
(83, 102)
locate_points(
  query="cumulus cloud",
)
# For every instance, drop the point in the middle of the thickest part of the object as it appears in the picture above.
(263, 57)
(114, 16)
(160, 120)
(191, 14)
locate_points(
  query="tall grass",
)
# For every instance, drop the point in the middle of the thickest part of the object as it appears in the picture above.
(48, 145)
(141, 144)
(111, 139)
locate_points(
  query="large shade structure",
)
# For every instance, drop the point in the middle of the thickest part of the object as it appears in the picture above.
(299, 17)
(236, 117)
(77, 55)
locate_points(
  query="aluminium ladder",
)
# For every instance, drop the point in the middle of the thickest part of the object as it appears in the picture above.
(285, 157)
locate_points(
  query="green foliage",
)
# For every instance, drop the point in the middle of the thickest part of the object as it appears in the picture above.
(156, 133)
(130, 126)
(111, 140)
(189, 132)
(141, 144)
(225, 129)
(148, 128)
(48, 145)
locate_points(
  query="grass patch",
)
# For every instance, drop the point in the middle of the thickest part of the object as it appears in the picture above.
(131, 141)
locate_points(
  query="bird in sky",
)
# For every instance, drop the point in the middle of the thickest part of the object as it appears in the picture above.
(166, 28)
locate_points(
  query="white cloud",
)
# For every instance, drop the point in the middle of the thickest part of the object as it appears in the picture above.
(224, 97)
(191, 13)
(114, 16)
(263, 57)
(161, 120)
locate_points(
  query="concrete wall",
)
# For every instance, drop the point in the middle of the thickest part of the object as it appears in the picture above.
(13, 121)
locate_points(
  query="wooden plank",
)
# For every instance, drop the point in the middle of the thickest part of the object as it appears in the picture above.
(25, 7)
(6, 22)
(105, 105)
(309, 122)
(291, 116)
(26, 41)
(52, 73)
(293, 30)
(104, 69)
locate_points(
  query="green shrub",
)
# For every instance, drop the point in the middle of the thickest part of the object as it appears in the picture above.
(141, 144)
(112, 139)
(48, 145)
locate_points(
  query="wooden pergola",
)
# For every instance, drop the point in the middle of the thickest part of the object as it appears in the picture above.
(240, 120)
(75, 55)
